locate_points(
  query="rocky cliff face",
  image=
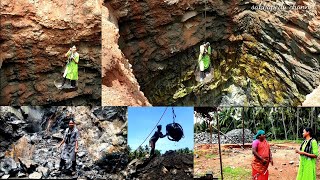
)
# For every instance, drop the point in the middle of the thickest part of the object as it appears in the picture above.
(260, 57)
(35, 35)
(120, 87)
(30, 135)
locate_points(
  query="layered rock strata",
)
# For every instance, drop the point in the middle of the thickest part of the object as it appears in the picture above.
(35, 35)
(260, 56)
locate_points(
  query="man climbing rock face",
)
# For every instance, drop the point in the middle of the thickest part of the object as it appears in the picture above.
(71, 71)
(70, 147)
(204, 59)
(158, 134)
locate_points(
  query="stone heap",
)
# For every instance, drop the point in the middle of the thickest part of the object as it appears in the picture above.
(171, 165)
(231, 137)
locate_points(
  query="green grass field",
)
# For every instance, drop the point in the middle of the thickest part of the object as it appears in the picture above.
(236, 173)
(299, 141)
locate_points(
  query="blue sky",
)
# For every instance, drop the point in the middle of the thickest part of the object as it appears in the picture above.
(141, 120)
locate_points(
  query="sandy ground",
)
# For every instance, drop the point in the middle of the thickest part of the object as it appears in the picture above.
(120, 95)
(236, 157)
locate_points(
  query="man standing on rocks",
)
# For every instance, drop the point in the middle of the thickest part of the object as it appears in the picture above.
(262, 157)
(71, 71)
(158, 134)
(70, 147)
(204, 59)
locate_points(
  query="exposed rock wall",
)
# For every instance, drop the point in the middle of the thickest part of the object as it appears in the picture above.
(35, 35)
(30, 135)
(120, 87)
(259, 58)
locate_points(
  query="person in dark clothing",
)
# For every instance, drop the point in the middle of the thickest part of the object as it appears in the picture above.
(70, 146)
(152, 142)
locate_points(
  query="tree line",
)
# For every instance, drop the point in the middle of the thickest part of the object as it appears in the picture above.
(285, 123)
(143, 151)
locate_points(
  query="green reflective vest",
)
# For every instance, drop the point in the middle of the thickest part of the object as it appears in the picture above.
(72, 67)
(206, 58)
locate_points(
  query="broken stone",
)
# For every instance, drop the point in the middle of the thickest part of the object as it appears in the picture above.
(44, 156)
(35, 175)
(57, 164)
(50, 165)
(27, 164)
(5, 176)
(81, 154)
(20, 174)
(164, 170)
(43, 170)
(172, 164)
(35, 139)
(16, 122)
(124, 173)
(291, 162)
(234, 136)
(55, 173)
(173, 171)
(107, 113)
(8, 165)
(197, 155)
(190, 170)
(58, 136)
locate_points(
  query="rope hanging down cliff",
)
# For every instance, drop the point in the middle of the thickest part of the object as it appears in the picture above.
(205, 21)
(72, 23)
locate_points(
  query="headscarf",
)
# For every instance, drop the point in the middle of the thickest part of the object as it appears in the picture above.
(260, 132)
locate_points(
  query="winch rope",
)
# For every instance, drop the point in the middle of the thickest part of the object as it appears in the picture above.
(153, 129)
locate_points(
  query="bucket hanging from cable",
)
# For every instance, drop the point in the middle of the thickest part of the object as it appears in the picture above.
(174, 130)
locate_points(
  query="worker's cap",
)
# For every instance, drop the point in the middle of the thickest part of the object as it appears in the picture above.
(259, 133)
(74, 47)
(208, 44)
(159, 126)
